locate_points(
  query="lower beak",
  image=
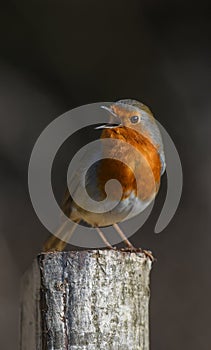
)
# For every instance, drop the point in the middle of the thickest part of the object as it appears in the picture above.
(108, 126)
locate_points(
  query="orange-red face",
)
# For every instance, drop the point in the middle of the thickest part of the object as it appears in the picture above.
(129, 117)
(135, 117)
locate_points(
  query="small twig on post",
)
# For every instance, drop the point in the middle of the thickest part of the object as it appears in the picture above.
(88, 300)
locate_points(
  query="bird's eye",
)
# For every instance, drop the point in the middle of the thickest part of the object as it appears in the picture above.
(134, 119)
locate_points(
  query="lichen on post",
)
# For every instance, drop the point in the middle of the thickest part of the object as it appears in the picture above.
(89, 300)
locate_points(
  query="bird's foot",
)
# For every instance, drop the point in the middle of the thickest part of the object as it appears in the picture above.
(149, 255)
(110, 247)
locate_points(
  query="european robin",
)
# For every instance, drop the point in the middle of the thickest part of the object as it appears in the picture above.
(137, 162)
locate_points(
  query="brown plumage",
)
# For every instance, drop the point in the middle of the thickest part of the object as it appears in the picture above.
(148, 166)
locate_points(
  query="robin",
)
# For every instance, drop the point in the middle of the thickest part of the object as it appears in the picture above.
(137, 162)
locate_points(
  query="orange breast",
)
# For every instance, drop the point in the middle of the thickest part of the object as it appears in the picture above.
(146, 165)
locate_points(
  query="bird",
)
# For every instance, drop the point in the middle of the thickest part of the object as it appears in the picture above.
(135, 158)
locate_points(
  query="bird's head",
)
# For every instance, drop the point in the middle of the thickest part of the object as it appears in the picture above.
(131, 114)
(134, 114)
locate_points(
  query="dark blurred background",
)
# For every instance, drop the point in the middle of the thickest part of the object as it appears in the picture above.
(59, 54)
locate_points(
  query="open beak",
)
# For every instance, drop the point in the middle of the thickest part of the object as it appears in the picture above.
(110, 125)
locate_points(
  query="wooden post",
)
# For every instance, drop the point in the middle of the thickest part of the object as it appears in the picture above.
(90, 300)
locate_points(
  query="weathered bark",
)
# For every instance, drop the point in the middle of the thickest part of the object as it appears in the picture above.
(86, 300)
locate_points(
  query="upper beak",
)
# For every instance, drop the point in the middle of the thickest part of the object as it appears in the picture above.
(110, 124)
(110, 110)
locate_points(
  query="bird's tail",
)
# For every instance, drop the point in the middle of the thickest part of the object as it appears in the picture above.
(59, 241)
